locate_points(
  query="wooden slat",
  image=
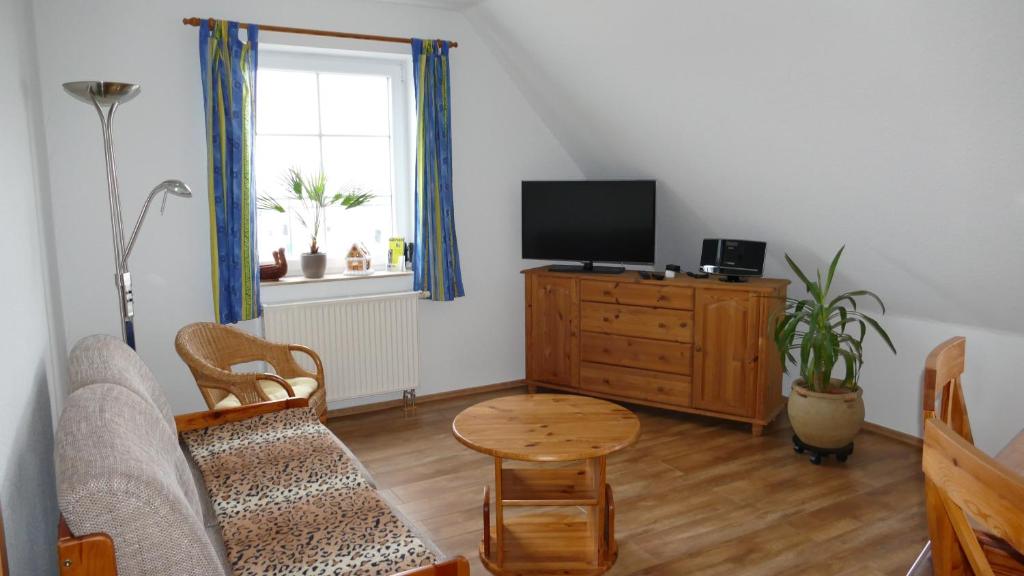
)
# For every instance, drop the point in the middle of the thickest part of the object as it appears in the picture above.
(943, 370)
(632, 383)
(967, 479)
(199, 420)
(88, 555)
(659, 324)
(657, 355)
(677, 297)
(546, 487)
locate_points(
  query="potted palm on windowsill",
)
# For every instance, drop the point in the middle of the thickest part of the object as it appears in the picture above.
(314, 199)
(818, 334)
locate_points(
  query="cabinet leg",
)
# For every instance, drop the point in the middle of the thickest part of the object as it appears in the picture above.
(757, 429)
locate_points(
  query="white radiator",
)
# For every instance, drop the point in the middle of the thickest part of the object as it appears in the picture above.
(368, 344)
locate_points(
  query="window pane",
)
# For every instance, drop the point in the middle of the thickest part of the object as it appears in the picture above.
(358, 162)
(273, 231)
(354, 105)
(369, 224)
(275, 155)
(286, 102)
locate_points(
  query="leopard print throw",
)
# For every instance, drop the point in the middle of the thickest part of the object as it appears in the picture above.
(290, 501)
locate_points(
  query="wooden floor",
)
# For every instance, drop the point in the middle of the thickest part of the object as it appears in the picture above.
(693, 496)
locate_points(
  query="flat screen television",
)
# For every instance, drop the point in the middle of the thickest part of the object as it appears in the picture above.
(589, 221)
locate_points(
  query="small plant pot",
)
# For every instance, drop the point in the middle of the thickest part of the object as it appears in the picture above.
(314, 265)
(824, 419)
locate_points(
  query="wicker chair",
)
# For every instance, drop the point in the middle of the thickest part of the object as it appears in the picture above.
(210, 350)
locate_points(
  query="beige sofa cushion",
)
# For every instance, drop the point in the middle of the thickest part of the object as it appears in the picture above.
(104, 359)
(303, 387)
(117, 473)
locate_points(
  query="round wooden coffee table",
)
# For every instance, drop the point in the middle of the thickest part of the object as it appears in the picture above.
(553, 428)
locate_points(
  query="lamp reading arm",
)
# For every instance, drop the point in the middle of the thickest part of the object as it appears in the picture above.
(176, 187)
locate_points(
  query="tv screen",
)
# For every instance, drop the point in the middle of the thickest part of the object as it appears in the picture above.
(589, 220)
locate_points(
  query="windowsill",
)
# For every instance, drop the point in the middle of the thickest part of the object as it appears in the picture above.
(337, 277)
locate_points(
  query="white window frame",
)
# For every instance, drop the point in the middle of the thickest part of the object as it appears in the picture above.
(398, 68)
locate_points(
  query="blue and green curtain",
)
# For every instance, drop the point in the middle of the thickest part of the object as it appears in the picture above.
(229, 93)
(436, 253)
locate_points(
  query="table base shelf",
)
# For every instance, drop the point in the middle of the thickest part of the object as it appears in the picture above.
(547, 543)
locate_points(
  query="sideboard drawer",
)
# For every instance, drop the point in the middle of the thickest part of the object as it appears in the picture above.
(632, 383)
(634, 294)
(634, 352)
(660, 324)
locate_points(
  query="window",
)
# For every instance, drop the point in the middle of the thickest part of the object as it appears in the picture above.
(345, 115)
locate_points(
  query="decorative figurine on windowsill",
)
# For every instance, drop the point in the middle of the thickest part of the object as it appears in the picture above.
(276, 270)
(357, 261)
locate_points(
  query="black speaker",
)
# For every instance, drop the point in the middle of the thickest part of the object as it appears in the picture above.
(733, 259)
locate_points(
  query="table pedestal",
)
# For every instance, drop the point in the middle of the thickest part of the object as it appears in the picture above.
(559, 537)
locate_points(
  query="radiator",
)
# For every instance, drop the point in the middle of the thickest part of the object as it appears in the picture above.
(368, 344)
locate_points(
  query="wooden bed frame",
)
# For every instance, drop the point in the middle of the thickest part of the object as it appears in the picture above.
(957, 546)
(93, 554)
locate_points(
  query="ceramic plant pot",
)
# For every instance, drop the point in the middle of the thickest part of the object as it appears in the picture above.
(314, 265)
(825, 419)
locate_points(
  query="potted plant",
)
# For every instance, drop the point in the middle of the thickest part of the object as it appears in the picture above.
(817, 334)
(311, 192)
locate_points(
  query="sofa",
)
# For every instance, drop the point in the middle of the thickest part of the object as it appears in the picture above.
(259, 489)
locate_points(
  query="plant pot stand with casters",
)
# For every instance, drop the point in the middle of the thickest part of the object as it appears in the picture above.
(571, 436)
(817, 454)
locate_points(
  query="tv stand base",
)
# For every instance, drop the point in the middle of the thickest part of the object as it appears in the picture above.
(587, 267)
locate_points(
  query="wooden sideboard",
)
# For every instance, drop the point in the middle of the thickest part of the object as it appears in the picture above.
(686, 344)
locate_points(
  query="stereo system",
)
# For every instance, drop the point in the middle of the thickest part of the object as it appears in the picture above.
(733, 259)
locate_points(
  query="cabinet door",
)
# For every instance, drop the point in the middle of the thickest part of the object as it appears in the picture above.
(725, 352)
(551, 336)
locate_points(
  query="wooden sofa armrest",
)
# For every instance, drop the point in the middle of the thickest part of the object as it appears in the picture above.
(93, 555)
(200, 420)
(89, 555)
(457, 566)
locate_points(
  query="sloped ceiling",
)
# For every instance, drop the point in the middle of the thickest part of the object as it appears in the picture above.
(895, 128)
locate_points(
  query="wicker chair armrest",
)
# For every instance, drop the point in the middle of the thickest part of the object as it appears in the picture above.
(319, 375)
(243, 384)
(274, 377)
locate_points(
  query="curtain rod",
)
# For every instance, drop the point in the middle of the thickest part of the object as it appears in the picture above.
(289, 30)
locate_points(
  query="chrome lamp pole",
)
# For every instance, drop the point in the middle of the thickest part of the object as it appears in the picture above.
(105, 98)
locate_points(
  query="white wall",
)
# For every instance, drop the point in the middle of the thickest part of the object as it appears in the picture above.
(895, 128)
(992, 380)
(27, 493)
(498, 141)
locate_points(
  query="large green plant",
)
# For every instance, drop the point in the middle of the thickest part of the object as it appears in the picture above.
(312, 193)
(826, 330)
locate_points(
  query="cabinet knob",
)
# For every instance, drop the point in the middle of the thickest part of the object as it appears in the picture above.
(697, 348)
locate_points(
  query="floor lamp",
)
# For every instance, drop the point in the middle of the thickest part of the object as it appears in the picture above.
(105, 98)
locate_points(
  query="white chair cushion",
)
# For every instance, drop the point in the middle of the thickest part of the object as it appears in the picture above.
(303, 387)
